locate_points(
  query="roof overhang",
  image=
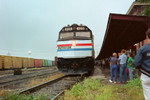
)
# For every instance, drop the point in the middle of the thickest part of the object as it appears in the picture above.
(123, 31)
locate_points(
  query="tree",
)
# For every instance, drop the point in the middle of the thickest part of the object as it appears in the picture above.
(146, 11)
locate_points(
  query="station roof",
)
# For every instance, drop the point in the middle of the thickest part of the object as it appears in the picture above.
(123, 31)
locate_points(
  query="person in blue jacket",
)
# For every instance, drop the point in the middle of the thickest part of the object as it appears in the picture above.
(142, 61)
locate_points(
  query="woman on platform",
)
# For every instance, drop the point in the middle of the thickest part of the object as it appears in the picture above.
(113, 63)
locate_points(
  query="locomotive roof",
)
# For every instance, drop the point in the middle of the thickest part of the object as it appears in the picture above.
(122, 32)
(75, 25)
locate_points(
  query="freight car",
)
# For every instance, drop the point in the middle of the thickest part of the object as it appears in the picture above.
(37, 63)
(1, 62)
(16, 62)
(12, 62)
(75, 50)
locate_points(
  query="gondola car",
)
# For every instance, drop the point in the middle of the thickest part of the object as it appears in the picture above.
(75, 50)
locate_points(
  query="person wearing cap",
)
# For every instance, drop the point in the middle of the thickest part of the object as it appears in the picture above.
(113, 63)
(142, 62)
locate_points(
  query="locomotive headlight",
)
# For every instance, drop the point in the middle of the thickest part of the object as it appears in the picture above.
(74, 43)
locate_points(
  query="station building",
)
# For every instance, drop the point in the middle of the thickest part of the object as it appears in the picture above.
(136, 9)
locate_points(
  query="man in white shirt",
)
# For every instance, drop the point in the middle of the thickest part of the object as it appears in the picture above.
(123, 64)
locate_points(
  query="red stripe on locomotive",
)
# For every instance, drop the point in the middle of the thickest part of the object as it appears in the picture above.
(85, 44)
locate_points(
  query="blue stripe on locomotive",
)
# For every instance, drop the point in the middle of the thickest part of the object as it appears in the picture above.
(75, 49)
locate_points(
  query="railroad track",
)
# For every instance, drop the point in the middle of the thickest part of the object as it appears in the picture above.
(25, 70)
(13, 82)
(53, 88)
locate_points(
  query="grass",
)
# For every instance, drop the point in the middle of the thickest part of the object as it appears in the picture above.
(134, 89)
(11, 96)
(3, 92)
(95, 90)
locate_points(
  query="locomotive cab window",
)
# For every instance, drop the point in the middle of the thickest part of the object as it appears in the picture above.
(75, 35)
(66, 35)
(83, 34)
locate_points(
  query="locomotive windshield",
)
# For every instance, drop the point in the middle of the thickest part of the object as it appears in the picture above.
(83, 34)
(66, 35)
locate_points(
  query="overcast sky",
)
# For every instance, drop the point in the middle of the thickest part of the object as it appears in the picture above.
(33, 25)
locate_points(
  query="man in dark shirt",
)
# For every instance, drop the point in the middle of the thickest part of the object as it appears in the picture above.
(113, 63)
(109, 63)
(143, 59)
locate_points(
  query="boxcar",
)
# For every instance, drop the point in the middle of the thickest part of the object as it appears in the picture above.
(16, 62)
(31, 62)
(1, 67)
(7, 62)
(25, 63)
(36, 63)
(49, 63)
(40, 63)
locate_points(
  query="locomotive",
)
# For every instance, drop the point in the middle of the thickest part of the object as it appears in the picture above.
(75, 50)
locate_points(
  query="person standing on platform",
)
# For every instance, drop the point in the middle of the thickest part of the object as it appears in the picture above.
(142, 59)
(109, 64)
(130, 66)
(113, 63)
(123, 64)
(103, 64)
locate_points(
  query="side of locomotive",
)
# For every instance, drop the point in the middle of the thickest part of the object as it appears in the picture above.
(75, 50)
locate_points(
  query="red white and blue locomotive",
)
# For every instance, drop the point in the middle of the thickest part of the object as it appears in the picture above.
(75, 50)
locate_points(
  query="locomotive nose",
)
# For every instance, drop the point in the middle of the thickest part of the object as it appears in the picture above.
(75, 65)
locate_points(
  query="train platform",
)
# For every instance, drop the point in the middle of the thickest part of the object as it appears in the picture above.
(98, 74)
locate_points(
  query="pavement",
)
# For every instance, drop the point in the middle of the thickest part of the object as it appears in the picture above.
(98, 74)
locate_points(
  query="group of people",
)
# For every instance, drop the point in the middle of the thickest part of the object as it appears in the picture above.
(124, 61)
(141, 62)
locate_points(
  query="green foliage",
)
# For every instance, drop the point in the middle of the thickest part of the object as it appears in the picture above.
(144, 1)
(146, 11)
(134, 89)
(91, 84)
(94, 90)
(81, 90)
(135, 82)
(11, 96)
